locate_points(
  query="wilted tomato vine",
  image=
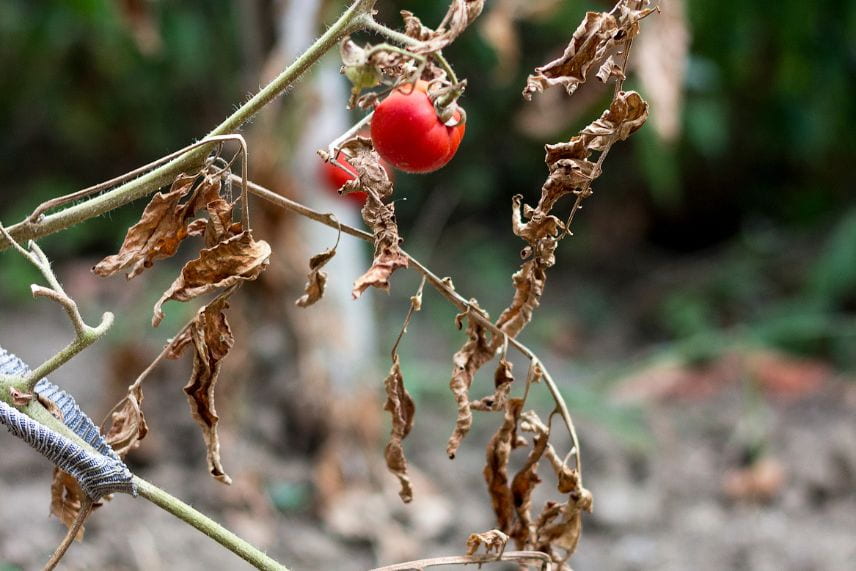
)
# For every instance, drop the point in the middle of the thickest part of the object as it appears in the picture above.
(407, 77)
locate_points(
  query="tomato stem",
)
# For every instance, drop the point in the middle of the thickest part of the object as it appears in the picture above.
(373, 25)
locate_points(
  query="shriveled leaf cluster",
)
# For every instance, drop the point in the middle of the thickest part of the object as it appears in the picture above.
(460, 15)
(373, 179)
(234, 260)
(231, 256)
(598, 33)
(556, 529)
(166, 222)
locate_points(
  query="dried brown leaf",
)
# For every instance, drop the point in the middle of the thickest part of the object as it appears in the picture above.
(401, 408)
(627, 112)
(212, 339)
(502, 379)
(493, 540)
(156, 236)
(460, 15)
(373, 179)
(528, 287)
(560, 525)
(66, 499)
(496, 467)
(237, 259)
(474, 353)
(609, 69)
(527, 479)
(317, 279)
(128, 423)
(598, 33)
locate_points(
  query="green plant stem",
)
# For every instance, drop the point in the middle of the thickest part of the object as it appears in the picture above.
(89, 336)
(353, 19)
(206, 525)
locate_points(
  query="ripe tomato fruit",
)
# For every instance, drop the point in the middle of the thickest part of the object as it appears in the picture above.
(407, 132)
(336, 177)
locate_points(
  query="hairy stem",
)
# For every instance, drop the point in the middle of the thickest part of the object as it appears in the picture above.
(352, 20)
(206, 525)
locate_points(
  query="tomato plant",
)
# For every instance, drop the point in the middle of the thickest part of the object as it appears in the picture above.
(407, 132)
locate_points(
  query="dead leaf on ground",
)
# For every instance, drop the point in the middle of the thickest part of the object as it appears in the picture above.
(762, 481)
(235, 260)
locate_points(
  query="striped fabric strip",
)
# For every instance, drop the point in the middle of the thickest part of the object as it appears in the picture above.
(98, 474)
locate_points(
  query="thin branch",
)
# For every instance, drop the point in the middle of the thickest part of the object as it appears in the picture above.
(209, 527)
(546, 562)
(438, 284)
(85, 335)
(85, 509)
(415, 305)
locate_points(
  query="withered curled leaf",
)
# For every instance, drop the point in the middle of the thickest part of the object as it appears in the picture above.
(493, 540)
(560, 525)
(317, 279)
(608, 69)
(596, 35)
(237, 259)
(627, 112)
(67, 499)
(165, 223)
(373, 179)
(527, 479)
(466, 362)
(156, 236)
(528, 287)
(211, 338)
(400, 406)
(502, 379)
(496, 466)
(460, 15)
(127, 423)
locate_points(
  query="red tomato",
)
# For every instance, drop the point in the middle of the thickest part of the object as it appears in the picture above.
(336, 177)
(407, 132)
